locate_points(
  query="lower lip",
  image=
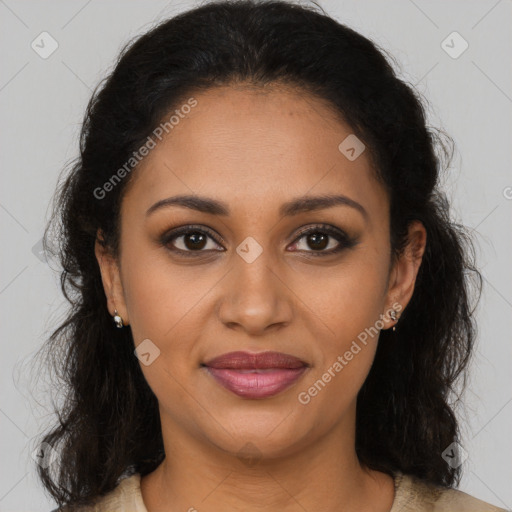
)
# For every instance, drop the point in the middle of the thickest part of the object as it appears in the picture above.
(249, 384)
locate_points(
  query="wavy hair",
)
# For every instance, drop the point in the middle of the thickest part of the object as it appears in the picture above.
(108, 425)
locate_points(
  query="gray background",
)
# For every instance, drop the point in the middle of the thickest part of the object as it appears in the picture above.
(42, 103)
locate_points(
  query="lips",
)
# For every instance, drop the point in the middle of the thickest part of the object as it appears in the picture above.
(256, 375)
(261, 360)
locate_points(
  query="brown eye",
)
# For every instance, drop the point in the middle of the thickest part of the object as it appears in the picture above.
(317, 241)
(319, 238)
(188, 240)
(195, 240)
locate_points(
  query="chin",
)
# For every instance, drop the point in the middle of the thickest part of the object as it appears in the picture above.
(259, 433)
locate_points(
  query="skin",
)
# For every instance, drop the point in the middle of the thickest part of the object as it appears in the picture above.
(254, 150)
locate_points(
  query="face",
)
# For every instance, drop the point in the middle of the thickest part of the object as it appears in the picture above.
(258, 271)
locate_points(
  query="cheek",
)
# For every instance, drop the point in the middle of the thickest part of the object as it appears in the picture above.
(347, 298)
(158, 293)
(169, 305)
(164, 306)
(344, 308)
(350, 309)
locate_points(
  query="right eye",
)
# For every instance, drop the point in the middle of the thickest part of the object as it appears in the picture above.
(192, 239)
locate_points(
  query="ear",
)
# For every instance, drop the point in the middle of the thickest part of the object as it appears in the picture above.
(404, 272)
(111, 278)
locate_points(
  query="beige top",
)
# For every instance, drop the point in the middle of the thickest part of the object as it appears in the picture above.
(411, 495)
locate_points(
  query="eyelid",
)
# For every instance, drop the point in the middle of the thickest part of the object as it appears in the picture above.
(188, 228)
(327, 228)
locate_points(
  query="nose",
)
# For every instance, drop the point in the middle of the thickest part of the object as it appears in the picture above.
(255, 296)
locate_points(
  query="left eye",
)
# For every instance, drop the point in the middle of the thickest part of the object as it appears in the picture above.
(317, 239)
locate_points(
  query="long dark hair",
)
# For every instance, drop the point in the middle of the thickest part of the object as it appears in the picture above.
(109, 424)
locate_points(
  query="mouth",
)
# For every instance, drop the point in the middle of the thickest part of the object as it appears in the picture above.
(256, 375)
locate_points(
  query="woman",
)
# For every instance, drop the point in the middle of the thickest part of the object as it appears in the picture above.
(270, 303)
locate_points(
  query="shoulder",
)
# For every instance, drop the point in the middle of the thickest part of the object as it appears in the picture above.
(125, 497)
(414, 494)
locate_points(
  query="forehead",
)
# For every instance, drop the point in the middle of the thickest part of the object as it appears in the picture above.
(257, 145)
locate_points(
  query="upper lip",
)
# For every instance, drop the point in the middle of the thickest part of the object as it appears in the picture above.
(246, 360)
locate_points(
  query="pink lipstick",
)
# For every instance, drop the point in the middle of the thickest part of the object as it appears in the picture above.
(256, 375)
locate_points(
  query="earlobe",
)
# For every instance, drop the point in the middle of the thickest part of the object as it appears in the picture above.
(111, 279)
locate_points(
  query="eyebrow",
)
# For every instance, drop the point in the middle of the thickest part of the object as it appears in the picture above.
(290, 208)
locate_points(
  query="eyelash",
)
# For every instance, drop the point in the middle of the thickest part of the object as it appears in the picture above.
(345, 242)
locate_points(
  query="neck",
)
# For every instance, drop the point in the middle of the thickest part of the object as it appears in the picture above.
(325, 475)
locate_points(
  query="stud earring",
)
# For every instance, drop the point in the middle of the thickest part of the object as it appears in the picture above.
(393, 316)
(117, 319)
